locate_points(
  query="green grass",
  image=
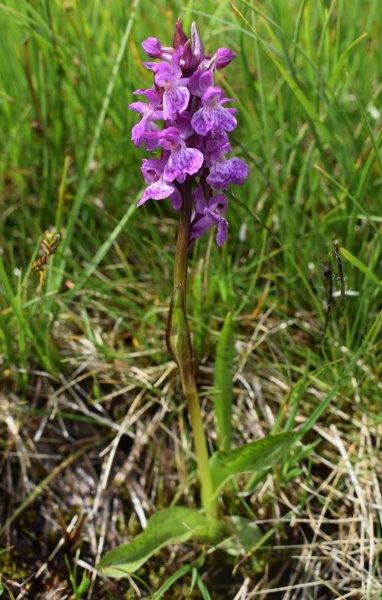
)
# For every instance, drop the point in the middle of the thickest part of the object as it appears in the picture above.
(90, 345)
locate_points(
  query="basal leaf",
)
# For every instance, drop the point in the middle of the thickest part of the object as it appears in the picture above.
(252, 457)
(168, 526)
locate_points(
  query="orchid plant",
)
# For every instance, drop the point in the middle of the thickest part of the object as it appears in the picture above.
(186, 119)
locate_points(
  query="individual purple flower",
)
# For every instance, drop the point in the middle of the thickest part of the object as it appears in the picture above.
(176, 95)
(150, 113)
(209, 215)
(200, 81)
(158, 189)
(226, 171)
(202, 77)
(213, 116)
(223, 171)
(154, 49)
(182, 161)
(216, 147)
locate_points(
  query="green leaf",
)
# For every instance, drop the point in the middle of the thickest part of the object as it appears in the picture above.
(255, 456)
(83, 587)
(170, 581)
(358, 264)
(223, 383)
(244, 535)
(169, 526)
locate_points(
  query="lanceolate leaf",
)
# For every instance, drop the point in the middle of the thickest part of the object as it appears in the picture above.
(252, 457)
(223, 383)
(169, 526)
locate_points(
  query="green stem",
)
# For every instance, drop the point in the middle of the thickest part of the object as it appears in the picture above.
(180, 343)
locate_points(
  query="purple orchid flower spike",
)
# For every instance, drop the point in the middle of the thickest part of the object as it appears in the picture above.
(208, 215)
(193, 142)
(150, 113)
(213, 116)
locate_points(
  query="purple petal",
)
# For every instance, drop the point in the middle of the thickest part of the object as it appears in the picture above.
(159, 190)
(199, 82)
(180, 38)
(222, 231)
(139, 107)
(175, 62)
(218, 146)
(156, 115)
(226, 172)
(212, 95)
(224, 120)
(175, 101)
(199, 201)
(151, 95)
(151, 169)
(218, 203)
(145, 132)
(216, 119)
(170, 138)
(196, 47)
(152, 66)
(223, 57)
(239, 170)
(164, 74)
(176, 199)
(203, 120)
(183, 161)
(198, 227)
(204, 224)
(184, 124)
(138, 132)
(208, 216)
(152, 47)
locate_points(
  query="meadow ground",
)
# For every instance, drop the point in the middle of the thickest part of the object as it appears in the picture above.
(93, 428)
